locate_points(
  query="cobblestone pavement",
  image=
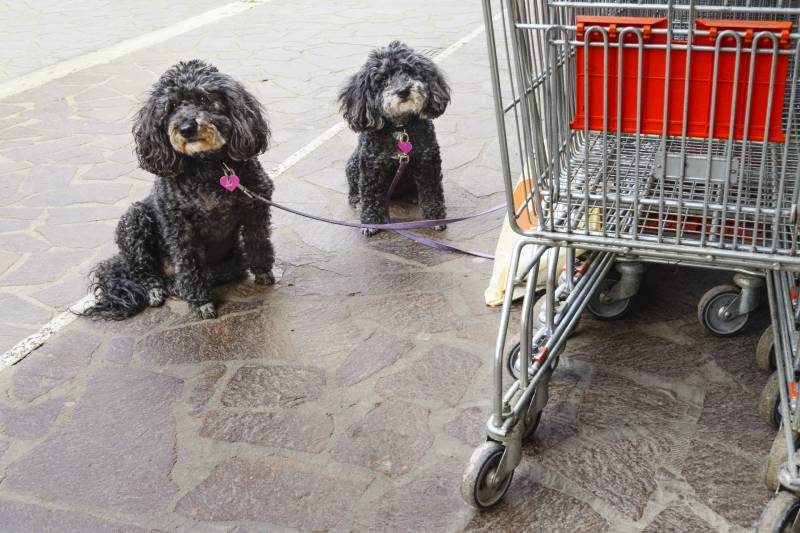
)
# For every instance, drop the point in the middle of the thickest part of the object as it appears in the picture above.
(350, 395)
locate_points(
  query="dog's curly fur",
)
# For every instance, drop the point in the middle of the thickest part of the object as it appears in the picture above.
(190, 234)
(396, 90)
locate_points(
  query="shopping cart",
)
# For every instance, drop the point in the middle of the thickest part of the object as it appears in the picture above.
(645, 132)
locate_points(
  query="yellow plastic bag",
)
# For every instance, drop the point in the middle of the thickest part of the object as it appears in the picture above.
(494, 293)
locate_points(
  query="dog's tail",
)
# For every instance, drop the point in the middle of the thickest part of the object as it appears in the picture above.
(117, 292)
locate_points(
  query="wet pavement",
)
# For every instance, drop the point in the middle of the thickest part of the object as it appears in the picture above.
(350, 395)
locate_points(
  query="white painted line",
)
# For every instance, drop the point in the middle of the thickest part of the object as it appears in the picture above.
(29, 344)
(26, 346)
(453, 48)
(301, 154)
(47, 74)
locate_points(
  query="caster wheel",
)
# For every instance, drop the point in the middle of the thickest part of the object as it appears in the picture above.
(532, 419)
(765, 350)
(608, 310)
(778, 455)
(533, 415)
(770, 405)
(780, 515)
(513, 362)
(479, 488)
(710, 307)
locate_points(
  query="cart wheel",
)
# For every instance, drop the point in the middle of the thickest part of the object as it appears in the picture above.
(780, 515)
(710, 307)
(531, 425)
(608, 310)
(479, 488)
(512, 361)
(530, 422)
(533, 415)
(765, 350)
(532, 419)
(778, 455)
(770, 404)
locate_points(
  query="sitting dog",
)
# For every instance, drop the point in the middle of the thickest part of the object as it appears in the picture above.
(190, 234)
(393, 98)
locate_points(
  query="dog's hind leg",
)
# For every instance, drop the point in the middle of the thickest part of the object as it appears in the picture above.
(137, 238)
(351, 170)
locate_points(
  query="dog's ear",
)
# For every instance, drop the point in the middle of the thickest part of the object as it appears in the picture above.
(438, 90)
(153, 147)
(250, 133)
(358, 102)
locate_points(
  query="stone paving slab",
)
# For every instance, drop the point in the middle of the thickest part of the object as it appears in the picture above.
(349, 396)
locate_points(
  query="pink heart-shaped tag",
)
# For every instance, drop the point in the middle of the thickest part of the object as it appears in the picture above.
(404, 146)
(229, 182)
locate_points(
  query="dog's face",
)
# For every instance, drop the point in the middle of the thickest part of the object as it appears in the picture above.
(403, 96)
(196, 121)
(395, 85)
(195, 111)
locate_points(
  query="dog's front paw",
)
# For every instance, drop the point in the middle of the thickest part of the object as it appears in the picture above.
(155, 297)
(207, 311)
(440, 227)
(264, 278)
(369, 232)
(353, 201)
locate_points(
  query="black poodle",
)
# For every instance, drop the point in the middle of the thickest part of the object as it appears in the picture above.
(190, 234)
(396, 94)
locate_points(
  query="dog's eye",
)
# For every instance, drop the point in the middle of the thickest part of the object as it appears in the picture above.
(169, 107)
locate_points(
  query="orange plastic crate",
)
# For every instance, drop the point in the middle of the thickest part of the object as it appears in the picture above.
(700, 81)
(691, 224)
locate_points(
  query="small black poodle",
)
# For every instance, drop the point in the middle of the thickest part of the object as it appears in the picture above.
(190, 234)
(396, 94)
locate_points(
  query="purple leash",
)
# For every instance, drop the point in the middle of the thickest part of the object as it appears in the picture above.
(231, 182)
(438, 245)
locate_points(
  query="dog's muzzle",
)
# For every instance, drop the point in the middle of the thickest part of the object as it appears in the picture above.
(195, 136)
(405, 100)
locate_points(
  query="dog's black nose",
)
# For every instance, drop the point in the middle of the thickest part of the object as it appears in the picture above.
(188, 128)
(404, 92)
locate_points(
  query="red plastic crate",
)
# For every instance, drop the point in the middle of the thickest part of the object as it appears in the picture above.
(700, 81)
